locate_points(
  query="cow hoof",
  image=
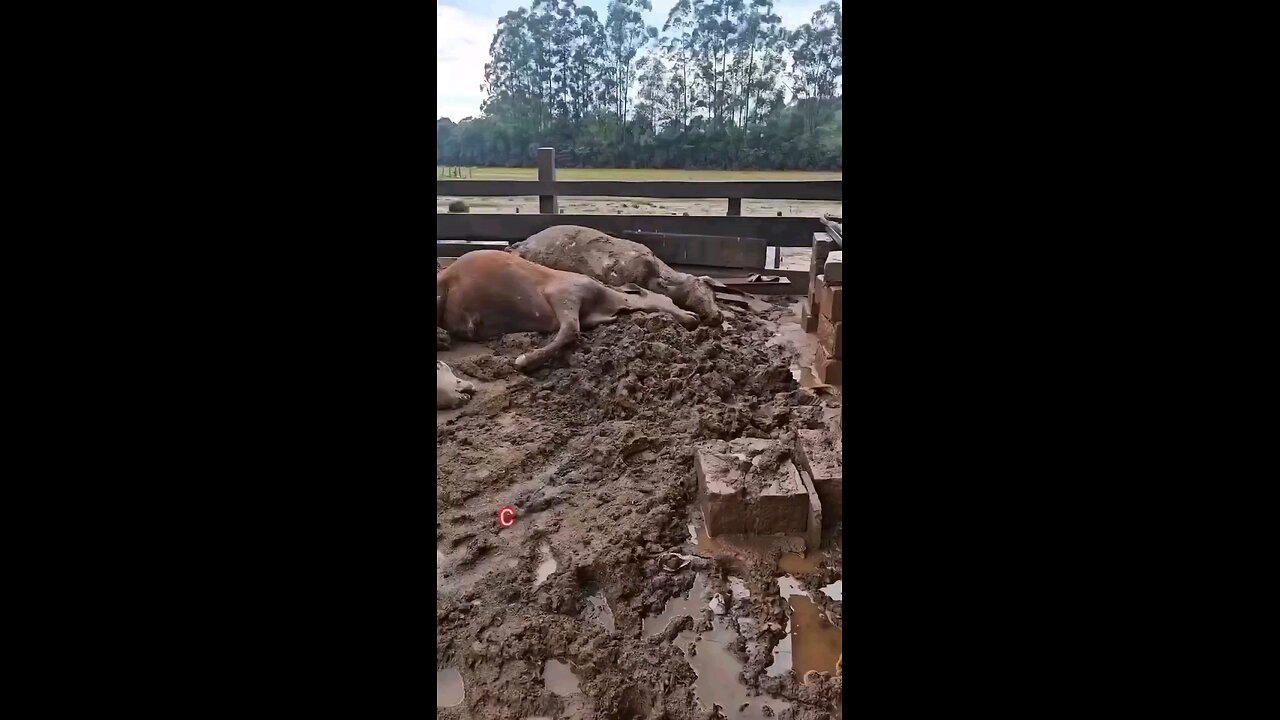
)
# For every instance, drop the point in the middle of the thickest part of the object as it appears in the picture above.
(522, 361)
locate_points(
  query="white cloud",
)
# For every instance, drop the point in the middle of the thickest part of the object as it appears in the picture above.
(462, 49)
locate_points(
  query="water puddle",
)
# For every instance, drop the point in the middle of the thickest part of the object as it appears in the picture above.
(559, 678)
(546, 567)
(718, 682)
(797, 564)
(812, 641)
(834, 590)
(449, 691)
(598, 610)
(691, 604)
(718, 670)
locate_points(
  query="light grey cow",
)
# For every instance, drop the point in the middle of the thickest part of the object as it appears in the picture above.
(617, 263)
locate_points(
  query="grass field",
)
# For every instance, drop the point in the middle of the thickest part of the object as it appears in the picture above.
(644, 206)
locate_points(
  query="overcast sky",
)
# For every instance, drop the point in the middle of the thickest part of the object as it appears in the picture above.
(463, 36)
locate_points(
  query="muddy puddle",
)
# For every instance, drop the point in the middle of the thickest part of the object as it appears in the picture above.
(718, 672)
(798, 564)
(804, 346)
(691, 604)
(559, 679)
(598, 611)
(449, 690)
(812, 641)
(546, 566)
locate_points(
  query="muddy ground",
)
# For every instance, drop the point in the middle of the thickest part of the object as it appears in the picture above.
(605, 599)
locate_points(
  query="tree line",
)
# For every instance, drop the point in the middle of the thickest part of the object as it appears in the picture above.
(722, 85)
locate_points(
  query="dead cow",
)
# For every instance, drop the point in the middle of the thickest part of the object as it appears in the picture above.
(487, 293)
(614, 261)
(451, 392)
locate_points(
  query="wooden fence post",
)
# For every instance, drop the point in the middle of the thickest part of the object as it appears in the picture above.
(547, 173)
(735, 206)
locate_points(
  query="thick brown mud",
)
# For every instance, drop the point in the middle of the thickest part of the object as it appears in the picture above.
(604, 599)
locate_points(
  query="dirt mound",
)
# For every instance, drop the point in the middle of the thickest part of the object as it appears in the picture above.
(595, 451)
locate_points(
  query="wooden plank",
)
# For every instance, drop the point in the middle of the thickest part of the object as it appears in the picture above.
(547, 176)
(762, 190)
(710, 251)
(716, 251)
(782, 231)
(444, 248)
(799, 278)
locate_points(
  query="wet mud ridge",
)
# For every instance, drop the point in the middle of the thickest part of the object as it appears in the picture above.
(606, 598)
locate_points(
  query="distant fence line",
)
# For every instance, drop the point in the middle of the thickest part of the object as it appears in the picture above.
(746, 232)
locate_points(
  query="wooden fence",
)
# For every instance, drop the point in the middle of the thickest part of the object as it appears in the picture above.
(731, 240)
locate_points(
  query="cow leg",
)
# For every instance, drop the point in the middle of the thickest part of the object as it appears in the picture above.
(662, 304)
(567, 310)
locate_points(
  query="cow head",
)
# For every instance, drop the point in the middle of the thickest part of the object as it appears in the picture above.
(451, 392)
(696, 294)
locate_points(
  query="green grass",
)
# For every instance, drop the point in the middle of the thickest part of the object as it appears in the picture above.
(494, 173)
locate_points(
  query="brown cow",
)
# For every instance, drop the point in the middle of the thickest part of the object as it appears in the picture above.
(487, 293)
(614, 261)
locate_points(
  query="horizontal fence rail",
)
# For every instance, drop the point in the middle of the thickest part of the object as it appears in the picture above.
(763, 190)
(780, 231)
(730, 240)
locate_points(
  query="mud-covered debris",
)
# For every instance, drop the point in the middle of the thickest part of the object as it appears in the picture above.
(600, 444)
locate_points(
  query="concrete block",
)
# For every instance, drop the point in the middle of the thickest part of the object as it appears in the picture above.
(750, 486)
(818, 454)
(827, 369)
(830, 300)
(780, 505)
(829, 337)
(833, 268)
(822, 246)
(808, 318)
(721, 491)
